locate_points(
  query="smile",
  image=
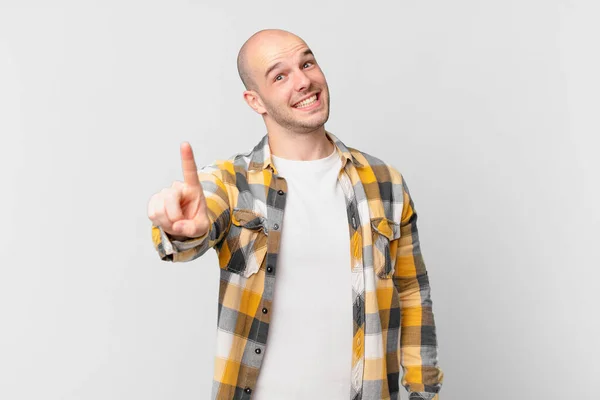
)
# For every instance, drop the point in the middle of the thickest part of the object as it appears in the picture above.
(307, 102)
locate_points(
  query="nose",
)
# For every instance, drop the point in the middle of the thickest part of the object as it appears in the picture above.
(301, 81)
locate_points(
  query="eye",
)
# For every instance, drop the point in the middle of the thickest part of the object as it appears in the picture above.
(308, 62)
(278, 76)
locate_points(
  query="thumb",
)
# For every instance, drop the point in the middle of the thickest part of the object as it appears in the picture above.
(189, 228)
(183, 228)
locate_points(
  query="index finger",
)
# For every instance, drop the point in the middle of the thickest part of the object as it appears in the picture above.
(190, 171)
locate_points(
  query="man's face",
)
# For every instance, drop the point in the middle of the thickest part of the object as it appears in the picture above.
(291, 85)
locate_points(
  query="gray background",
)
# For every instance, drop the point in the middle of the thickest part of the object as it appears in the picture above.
(488, 108)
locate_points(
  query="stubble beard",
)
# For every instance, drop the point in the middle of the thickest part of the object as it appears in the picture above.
(285, 118)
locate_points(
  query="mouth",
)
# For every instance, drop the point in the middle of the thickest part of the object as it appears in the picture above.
(309, 103)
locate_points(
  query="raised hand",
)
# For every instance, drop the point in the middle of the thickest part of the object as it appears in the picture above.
(180, 210)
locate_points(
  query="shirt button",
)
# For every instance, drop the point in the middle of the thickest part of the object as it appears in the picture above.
(275, 226)
(248, 390)
(257, 351)
(280, 192)
(353, 222)
(269, 268)
(264, 310)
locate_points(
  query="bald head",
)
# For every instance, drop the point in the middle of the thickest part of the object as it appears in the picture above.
(255, 49)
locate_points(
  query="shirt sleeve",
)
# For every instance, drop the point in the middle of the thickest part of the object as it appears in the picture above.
(422, 377)
(217, 201)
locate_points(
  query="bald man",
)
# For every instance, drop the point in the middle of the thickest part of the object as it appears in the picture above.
(324, 293)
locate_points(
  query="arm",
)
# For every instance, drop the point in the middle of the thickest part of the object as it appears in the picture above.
(178, 249)
(422, 377)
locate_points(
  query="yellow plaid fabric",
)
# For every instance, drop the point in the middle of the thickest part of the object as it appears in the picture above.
(393, 319)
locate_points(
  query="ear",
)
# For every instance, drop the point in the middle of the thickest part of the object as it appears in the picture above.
(254, 101)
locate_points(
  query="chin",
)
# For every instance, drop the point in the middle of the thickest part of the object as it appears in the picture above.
(310, 127)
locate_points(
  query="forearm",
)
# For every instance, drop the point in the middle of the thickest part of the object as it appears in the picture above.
(418, 340)
(422, 377)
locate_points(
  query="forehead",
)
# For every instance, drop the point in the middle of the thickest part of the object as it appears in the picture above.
(271, 50)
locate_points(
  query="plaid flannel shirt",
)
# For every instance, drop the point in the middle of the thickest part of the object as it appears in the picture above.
(392, 309)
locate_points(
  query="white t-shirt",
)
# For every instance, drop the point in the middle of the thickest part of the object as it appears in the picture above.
(308, 353)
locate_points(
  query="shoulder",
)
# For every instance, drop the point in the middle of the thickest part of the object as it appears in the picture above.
(383, 183)
(228, 168)
(384, 172)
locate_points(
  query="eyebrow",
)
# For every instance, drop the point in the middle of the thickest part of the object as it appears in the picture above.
(277, 64)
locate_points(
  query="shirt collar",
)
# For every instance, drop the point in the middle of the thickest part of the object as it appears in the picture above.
(260, 157)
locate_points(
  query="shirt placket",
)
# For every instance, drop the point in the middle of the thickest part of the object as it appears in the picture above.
(276, 197)
(351, 188)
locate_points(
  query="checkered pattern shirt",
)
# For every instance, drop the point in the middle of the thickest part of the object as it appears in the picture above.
(392, 310)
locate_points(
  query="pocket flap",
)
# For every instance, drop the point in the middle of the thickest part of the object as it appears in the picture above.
(248, 219)
(245, 247)
(385, 233)
(386, 227)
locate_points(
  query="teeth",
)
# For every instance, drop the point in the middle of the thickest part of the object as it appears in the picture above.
(306, 102)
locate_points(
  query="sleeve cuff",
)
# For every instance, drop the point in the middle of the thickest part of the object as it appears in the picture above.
(423, 396)
(169, 248)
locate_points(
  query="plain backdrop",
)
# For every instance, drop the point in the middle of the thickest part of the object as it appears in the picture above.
(488, 108)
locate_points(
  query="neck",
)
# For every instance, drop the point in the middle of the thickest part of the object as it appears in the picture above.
(303, 146)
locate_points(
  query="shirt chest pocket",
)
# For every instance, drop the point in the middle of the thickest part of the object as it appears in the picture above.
(245, 247)
(385, 246)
